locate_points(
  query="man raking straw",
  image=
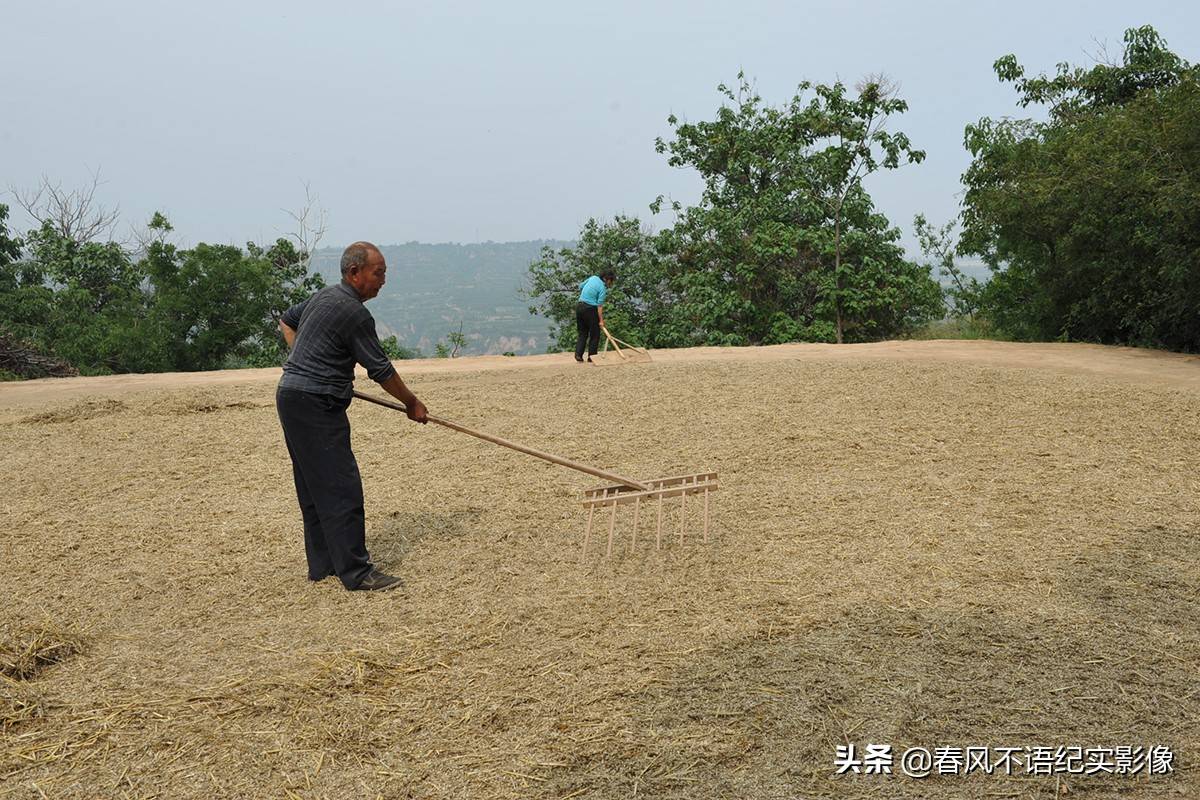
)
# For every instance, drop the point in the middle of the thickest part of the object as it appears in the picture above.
(328, 334)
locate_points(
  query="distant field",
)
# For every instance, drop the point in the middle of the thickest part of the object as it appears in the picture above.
(916, 543)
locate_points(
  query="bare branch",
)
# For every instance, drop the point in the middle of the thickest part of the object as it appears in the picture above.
(143, 237)
(75, 215)
(1101, 54)
(311, 223)
(880, 86)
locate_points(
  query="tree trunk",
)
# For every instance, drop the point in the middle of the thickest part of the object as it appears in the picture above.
(837, 274)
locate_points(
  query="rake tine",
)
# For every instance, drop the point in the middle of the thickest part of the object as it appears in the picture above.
(637, 507)
(658, 530)
(612, 519)
(587, 533)
(706, 516)
(587, 536)
(682, 512)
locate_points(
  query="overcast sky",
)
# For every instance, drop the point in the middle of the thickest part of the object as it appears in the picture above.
(454, 121)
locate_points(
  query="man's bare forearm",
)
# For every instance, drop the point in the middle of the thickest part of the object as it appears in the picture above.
(396, 388)
(416, 409)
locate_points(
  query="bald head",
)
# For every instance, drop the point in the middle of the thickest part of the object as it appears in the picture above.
(356, 255)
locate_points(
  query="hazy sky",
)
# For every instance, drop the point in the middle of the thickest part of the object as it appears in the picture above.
(464, 122)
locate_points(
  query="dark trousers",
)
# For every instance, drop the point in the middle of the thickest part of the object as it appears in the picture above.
(328, 484)
(587, 320)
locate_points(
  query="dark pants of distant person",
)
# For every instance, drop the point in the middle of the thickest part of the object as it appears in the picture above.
(328, 484)
(587, 320)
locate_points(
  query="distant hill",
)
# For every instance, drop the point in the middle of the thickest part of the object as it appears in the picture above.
(431, 288)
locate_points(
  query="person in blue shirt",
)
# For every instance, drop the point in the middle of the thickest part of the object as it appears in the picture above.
(589, 312)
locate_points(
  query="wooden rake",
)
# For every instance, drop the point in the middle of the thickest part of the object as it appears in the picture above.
(624, 491)
(629, 353)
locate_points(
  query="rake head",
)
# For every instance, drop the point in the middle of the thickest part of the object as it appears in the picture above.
(623, 356)
(656, 492)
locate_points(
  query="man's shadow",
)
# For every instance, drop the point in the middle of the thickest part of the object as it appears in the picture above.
(403, 531)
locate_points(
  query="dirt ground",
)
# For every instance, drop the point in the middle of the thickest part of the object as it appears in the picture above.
(934, 544)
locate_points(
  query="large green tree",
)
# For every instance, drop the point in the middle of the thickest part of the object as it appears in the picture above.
(784, 244)
(1090, 218)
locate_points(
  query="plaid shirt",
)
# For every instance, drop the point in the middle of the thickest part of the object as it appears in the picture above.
(334, 331)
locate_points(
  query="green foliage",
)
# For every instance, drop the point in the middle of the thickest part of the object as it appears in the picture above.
(1091, 220)
(101, 309)
(25, 301)
(1147, 65)
(455, 341)
(215, 303)
(965, 292)
(207, 301)
(287, 282)
(83, 302)
(10, 247)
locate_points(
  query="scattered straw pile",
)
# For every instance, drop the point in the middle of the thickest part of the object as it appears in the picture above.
(27, 650)
(908, 552)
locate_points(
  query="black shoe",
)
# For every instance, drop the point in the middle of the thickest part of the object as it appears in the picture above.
(377, 581)
(317, 578)
(580, 360)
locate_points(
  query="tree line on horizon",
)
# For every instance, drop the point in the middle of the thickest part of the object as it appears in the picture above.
(100, 307)
(1087, 220)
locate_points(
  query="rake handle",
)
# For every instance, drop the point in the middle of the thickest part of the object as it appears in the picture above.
(615, 341)
(520, 448)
